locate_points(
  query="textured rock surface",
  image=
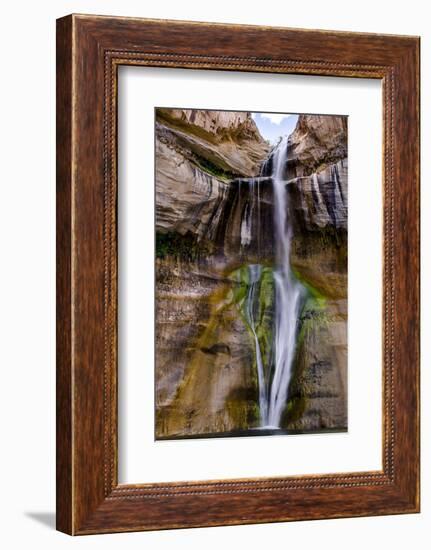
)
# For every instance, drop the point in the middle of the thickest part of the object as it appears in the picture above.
(317, 141)
(186, 196)
(225, 141)
(205, 376)
(318, 190)
(320, 199)
(202, 386)
(212, 220)
(319, 387)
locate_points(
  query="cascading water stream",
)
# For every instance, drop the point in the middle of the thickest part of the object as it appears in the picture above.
(255, 271)
(247, 217)
(274, 387)
(288, 292)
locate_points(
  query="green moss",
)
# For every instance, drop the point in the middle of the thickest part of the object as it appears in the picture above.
(263, 315)
(313, 315)
(294, 410)
(264, 327)
(315, 298)
(211, 168)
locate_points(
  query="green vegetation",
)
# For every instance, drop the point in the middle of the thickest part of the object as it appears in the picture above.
(313, 318)
(313, 314)
(294, 410)
(264, 316)
(315, 300)
(242, 404)
(212, 169)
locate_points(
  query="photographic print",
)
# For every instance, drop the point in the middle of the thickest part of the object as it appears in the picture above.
(251, 273)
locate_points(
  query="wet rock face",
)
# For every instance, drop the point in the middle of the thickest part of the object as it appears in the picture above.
(199, 153)
(214, 215)
(186, 197)
(320, 200)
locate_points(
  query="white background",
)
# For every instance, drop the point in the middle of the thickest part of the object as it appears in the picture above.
(27, 120)
(141, 458)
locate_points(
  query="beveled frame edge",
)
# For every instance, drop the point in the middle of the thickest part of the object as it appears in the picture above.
(89, 499)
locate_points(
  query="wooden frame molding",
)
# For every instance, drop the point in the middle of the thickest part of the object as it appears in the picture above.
(89, 51)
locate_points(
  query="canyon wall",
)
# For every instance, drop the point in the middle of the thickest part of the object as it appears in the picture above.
(214, 204)
(318, 166)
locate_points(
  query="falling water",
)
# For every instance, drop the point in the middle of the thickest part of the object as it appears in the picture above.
(248, 215)
(288, 292)
(274, 386)
(252, 303)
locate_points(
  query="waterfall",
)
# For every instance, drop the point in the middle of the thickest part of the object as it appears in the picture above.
(288, 292)
(247, 216)
(253, 202)
(252, 303)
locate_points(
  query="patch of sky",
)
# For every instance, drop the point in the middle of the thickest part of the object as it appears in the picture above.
(272, 126)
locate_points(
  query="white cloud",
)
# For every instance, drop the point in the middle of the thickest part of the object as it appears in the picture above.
(275, 118)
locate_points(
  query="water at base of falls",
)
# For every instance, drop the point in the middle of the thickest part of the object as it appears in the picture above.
(289, 294)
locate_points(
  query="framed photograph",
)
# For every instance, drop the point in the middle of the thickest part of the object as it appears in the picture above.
(237, 274)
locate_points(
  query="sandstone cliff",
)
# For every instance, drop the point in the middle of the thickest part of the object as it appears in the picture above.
(317, 141)
(198, 153)
(214, 205)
